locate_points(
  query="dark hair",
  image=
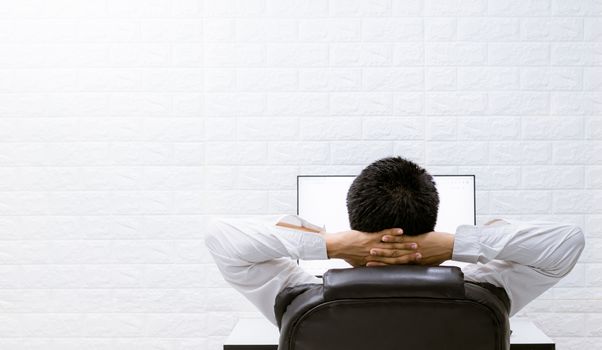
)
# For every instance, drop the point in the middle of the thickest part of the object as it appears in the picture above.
(393, 192)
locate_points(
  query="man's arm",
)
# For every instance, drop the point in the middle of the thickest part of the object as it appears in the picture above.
(257, 256)
(525, 258)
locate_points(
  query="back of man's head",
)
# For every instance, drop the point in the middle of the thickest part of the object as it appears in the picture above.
(393, 192)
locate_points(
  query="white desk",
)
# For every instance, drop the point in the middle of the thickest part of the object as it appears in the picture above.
(259, 334)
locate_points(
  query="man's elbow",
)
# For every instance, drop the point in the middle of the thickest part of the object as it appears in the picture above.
(577, 241)
(572, 247)
(214, 235)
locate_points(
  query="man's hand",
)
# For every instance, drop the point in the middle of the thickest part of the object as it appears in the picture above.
(355, 246)
(433, 247)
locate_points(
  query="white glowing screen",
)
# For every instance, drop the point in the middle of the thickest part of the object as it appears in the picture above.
(322, 201)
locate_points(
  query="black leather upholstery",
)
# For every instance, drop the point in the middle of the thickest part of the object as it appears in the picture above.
(393, 307)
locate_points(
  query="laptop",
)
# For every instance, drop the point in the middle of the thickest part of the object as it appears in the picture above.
(321, 199)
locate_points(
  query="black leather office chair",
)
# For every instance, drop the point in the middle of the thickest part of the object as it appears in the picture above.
(393, 307)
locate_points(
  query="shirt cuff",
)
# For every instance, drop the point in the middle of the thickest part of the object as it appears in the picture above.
(297, 221)
(314, 247)
(466, 244)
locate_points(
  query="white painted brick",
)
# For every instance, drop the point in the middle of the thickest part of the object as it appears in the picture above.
(442, 128)
(447, 153)
(577, 53)
(575, 152)
(519, 8)
(230, 55)
(383, 128)
(441, 78)
(572, 201)
(567, 103)
(406, 54)
(267, 79)
(282, 202)
(341, 79)
(330, 30)
(523, 103)
(592, 78)
(337, 128)
(520, 202)
(186, 54)
(294, 104)
(398, 29)
(256, 30)
(188, 153)
(187, 105)
(221, 153)
(594, 275)
(518, 54)
(458, 54)
(551, 78)
(488, 29)
(409, 149)
(305, 8)
(352, 8)
(494, 177)
(299, 153)
(267, 128)
(440, 29)
(360, 152)
(593, 227)
(297, 55)
(220, 128)
(552, 128)
(488, 128)
(219, 30)
(230, 104)
(552, 29)
(520, 152)
(404, 8)
(232, 8)
(266, 178)
(552, 177)
(593, 29)
(387, 79)
(456, 103)
(576, 8)
(125, 125)
(361, 54)
(488, 78)
(408, 104)
(358, 104)
(590, 253)
(180, 30)
(572, 324)
(455, 7)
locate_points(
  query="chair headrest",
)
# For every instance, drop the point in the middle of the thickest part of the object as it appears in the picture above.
(394, 281)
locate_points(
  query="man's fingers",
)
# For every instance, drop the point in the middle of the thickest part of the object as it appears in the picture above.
(406, 259)
(375, 263)
(391, 253)
(392, 232)
(391, 246)
(393, 239)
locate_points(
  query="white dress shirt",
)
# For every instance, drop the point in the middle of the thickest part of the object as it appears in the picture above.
(258, 258)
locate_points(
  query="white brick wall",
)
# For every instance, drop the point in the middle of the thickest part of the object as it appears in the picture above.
(124, 124)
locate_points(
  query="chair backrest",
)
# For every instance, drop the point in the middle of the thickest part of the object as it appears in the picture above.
(393, 307)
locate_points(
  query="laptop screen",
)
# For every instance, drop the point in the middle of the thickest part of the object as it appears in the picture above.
(322, 201)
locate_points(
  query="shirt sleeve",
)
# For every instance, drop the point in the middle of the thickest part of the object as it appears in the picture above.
(525, 258)
(258, 258)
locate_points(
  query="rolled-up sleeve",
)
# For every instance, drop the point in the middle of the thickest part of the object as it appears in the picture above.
(525, 258)
(258, 258)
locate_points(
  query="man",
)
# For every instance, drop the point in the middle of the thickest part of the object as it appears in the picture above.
(392, 208)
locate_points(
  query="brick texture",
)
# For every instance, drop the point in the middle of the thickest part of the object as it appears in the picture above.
(126, 124)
